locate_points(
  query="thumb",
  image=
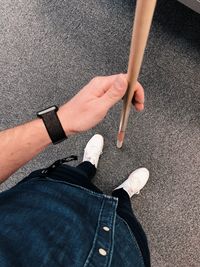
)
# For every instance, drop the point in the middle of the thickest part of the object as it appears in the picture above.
(116, 91)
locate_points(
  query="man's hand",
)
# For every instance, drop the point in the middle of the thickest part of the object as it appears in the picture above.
(91, 104)
(82, 112)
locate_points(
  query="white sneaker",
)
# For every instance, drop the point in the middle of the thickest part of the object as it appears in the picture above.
(135, 182)
(94, 149)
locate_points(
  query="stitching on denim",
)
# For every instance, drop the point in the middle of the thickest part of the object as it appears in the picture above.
(77, 186)
(96, 234)
(111, 244)
(112, 200)
(111, 224)
(113, 233)
(133, 239)
(101, 196)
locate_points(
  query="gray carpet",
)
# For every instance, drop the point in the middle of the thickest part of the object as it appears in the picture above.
(49, 49)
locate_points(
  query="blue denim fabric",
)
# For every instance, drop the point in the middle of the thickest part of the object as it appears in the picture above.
(46, 222)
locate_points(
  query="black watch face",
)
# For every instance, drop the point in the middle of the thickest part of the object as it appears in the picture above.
(42, 112)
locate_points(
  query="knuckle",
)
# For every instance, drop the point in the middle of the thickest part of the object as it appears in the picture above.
(121, 75)
(123, 81)
(97, 79)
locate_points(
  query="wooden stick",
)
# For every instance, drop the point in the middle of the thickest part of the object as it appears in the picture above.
(142, 23)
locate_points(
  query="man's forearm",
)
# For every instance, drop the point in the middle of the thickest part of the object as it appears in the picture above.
(20, 144)
(84, 111)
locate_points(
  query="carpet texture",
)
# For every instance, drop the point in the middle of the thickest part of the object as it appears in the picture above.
(49, 49)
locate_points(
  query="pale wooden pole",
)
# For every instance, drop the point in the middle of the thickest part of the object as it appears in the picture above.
(142, 23)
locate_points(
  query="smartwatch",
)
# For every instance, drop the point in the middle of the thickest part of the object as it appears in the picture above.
(52, 124)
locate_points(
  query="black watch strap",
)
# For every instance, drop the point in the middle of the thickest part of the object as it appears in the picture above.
(52, 124)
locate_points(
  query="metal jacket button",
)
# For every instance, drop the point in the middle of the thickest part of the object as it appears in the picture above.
(102, 252)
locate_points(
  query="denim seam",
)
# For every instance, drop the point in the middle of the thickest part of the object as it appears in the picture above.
(111, 247)
(113, 233)
(74, 185)
(95, 237)
(101, 196)
(133, 239)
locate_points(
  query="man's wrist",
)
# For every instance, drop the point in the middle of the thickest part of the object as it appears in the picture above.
(53, 124)
(41, 132)
(65, 120)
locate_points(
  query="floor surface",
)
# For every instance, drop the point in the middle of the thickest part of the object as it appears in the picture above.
(49, 49)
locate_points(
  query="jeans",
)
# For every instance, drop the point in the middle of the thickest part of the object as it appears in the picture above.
(82, 175)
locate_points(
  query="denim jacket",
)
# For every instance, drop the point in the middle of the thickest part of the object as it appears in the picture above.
(46, 222)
